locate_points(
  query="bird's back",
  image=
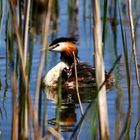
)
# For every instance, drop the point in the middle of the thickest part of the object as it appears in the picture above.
(86, 77)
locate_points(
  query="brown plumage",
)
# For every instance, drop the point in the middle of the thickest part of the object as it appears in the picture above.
(85, 73)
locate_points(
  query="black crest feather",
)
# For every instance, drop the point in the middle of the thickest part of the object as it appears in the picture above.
(64, 39)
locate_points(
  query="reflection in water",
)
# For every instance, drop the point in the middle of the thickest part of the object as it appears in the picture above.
(86, 94)
(38, 16)
(3, 111)
(73, 17)
(3, 90)
(114, 24)
(120, 112)
(39, 10)
(67, 117)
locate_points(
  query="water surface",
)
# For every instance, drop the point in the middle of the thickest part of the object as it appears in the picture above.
(117, 96)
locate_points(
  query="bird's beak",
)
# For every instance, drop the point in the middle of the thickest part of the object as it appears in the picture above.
(49, 48)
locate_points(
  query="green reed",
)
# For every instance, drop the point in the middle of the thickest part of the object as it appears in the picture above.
(132, 31)
(28, 119)
(1, 16)
(126, 130)
(43, 53)
(10, 51)
(125, 49)
(30, 59)
(104, 23)
(24, 104)
(1, 21)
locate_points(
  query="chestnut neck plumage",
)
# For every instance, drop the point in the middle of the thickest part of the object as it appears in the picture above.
(68, 57)
(66, 46)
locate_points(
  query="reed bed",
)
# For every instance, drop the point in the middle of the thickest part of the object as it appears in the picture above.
(24, 21)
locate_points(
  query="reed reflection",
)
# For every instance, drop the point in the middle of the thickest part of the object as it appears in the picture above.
(39, 11)
(86, 94)
(67, 114)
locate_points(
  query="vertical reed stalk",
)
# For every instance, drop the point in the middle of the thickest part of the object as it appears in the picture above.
(14, 135)
(34, 118)
(26, 27)
(126, 129)
(136, 133)
(104, 23)
(19, 42)
(1, 16)
(100, 75)
(23, 125)
(42, 59)
(24, 134)
(76, 81)
(133, 41)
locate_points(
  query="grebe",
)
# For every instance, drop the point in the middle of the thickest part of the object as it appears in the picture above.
(65, 68)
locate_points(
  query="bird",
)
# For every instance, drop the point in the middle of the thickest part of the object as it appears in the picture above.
(65, 69)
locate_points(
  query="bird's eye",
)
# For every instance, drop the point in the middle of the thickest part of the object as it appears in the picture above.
(57, 45)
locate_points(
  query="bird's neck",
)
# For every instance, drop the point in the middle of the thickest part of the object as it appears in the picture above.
(68, 58)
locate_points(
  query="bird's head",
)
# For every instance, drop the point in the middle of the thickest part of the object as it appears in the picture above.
(66, 46)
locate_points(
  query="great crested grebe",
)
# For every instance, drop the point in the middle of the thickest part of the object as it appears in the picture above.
(65, 68)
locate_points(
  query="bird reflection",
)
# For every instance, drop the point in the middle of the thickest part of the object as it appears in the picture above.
(67, 117)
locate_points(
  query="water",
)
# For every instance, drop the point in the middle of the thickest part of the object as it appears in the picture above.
(117, 97)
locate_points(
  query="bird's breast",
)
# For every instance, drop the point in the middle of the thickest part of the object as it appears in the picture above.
(51, 78)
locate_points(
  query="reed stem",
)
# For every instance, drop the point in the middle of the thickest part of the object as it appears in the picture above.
(14, 135)
(28, 110)
(76, 81)
(100, 75)
(24, 110)
(27, 15)
(1, 16)
(133, 41)
(42, 59)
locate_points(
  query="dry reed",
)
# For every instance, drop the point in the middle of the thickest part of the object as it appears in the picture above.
(29, 110)
(133, 41)
(76, 81)
(26, 28)
(100, 75)
(42, 59)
